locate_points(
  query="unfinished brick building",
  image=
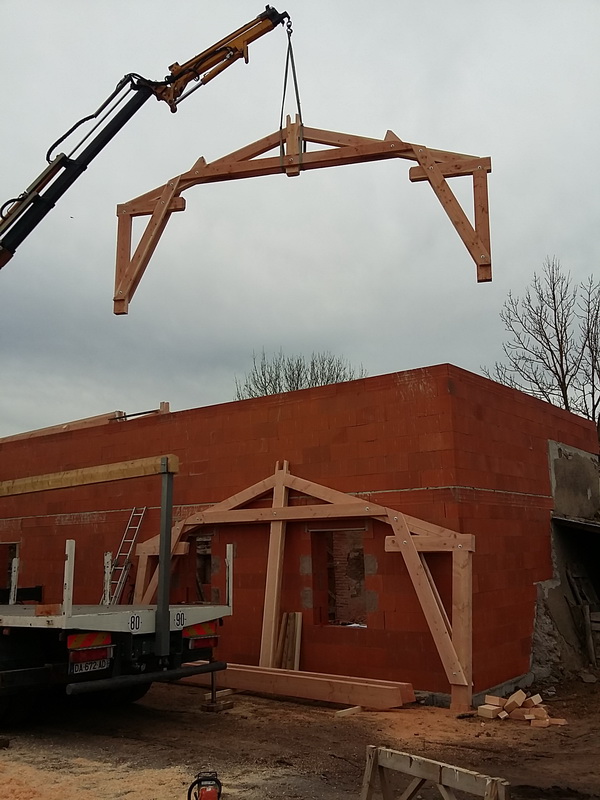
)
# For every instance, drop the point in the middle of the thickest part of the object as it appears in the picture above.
(439, 443)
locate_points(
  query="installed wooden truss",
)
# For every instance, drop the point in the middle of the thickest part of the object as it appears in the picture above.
(434, 166)
(411, 537)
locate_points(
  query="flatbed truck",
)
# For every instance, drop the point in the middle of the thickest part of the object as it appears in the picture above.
(114, 650)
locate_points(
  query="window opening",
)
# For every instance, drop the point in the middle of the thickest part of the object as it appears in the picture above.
(346, 578)
(204, 568)
(8, 551)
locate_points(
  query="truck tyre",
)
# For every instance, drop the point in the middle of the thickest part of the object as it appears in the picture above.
(131, 694)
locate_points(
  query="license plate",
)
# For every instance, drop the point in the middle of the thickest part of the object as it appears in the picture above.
(89, 666)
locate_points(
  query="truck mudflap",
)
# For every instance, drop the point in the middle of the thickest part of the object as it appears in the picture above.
(124, 681)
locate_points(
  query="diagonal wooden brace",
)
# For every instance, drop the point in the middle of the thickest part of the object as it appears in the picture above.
(130, 269)
(437, 621)
(477, 247)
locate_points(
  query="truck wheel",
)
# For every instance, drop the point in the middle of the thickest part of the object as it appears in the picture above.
(114, 697)
(132, 693)
(16, 709)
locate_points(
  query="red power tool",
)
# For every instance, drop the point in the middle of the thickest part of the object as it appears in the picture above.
(205, 786)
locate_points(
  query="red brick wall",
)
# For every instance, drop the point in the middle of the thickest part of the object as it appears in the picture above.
(438, 443)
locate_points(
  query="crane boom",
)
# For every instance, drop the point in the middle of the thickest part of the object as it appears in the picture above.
(21, 215)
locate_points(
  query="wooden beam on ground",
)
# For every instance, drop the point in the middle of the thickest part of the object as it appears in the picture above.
(345, 690)
(101, 474)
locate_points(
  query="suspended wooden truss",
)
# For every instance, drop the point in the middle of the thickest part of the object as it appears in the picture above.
(410, 537)
(434, 166)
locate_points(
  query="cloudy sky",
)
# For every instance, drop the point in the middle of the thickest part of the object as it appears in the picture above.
(355, 260)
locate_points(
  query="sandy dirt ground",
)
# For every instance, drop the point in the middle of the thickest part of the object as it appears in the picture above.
(274, 748)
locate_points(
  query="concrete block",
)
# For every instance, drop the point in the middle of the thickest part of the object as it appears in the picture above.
(306, 566)
(215, 708)
(306, 597)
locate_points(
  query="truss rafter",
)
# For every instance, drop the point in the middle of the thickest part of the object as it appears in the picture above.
(411, 537)
(434, 166)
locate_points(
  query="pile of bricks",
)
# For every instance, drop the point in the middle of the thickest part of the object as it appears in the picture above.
(519, 707)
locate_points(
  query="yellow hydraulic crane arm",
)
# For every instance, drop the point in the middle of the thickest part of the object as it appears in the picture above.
(20, 215)
(210, 63)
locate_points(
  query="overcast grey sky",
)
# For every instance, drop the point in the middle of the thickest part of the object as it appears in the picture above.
(356, 260)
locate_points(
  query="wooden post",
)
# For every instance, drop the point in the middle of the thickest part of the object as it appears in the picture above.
(108, 561)
(14, 581)
(268, 641)
(462, 626)
(370, 774)
(67, 603)
(482, 219)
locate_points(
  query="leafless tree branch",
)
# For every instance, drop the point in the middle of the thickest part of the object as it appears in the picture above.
(281, 373)
(553, 347)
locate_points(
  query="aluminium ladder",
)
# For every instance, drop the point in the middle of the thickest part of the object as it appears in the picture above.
(122, 561)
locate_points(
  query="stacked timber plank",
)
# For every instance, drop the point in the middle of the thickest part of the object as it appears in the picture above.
(519, 707)
(288, 643)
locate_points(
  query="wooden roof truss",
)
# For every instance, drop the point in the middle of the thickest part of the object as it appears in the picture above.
(410, 537)
(434, 166)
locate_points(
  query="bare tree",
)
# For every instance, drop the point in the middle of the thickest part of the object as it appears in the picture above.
(281, 373)
(553, 349)
(588, 380)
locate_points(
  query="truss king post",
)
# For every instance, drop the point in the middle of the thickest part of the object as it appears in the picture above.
(163, 616)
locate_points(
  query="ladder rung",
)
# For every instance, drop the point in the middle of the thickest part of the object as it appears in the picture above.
(122, 561)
